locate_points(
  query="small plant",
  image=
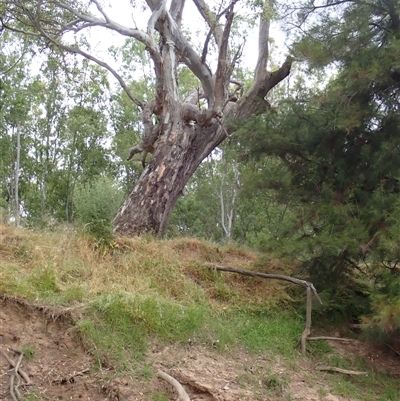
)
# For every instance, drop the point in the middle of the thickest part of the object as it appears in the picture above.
(28, 351)
(274, 383)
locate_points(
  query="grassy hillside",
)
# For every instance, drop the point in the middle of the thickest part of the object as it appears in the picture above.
(143, 293)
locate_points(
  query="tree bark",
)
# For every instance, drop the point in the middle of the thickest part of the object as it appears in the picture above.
(174, 161)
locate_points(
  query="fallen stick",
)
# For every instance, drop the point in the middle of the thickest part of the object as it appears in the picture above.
(182, 394)
(316, 338)
(340, 370)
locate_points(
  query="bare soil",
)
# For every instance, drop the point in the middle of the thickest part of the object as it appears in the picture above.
(60, 369)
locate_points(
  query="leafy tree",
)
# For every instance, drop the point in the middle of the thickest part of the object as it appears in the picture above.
(182, 129)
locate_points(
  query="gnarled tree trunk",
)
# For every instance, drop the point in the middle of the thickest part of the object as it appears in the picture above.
(174, 161)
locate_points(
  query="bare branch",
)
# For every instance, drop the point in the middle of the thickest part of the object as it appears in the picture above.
(307, 329)
(101, 11)
(110, 24)
(192, 60)
(304, 283)
(103, 64)
(346, 340)
(13, 65)
(279, 75)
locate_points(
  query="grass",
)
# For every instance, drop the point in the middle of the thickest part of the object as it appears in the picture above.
(143, 289)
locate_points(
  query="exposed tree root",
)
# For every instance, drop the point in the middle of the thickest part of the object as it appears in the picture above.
(182, 394)
(15, 373)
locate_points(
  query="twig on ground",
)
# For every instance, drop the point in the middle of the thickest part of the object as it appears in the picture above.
(340, 370)
(182, 394)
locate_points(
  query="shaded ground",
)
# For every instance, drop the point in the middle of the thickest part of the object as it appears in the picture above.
(60, 369)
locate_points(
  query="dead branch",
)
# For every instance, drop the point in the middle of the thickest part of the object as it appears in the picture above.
(340, 370)
(293, 280)
(310, 289)
(182, 394)
(348, 340)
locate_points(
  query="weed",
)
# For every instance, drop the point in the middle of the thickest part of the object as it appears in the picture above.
(28, 351)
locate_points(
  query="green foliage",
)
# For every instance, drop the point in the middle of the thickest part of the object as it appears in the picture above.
(333, 164)
(28, 351)
(96, 203)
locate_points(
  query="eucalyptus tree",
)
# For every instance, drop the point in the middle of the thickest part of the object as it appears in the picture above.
(180, 130)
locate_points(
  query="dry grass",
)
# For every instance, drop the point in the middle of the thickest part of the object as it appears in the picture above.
(70, 269)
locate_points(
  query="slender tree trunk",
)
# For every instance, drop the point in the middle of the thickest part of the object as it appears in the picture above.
(16, 177)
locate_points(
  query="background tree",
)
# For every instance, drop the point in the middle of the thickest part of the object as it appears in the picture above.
(185, 130)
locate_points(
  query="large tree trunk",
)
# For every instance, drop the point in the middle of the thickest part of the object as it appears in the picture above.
(174, 161)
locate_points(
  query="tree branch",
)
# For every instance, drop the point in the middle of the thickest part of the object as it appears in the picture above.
(260, 72)
(150, 134)
(101, 11)
(103, 64)
(224, 68)
(176, 11)
(293, 280)
(211, 19)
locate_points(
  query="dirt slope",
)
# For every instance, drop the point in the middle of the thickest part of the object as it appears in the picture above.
(60, 369)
